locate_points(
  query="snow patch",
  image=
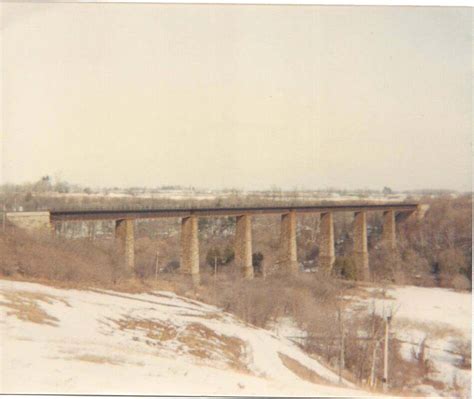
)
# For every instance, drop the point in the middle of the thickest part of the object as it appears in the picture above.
(106, 342)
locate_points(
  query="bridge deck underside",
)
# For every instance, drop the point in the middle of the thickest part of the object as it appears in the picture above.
(57, 216)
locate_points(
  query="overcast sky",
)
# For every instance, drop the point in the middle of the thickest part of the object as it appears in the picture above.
(237, 96)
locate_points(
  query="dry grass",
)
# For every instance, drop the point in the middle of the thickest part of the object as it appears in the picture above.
(97, 359)
(367, 291)
(24, 305)
(259, 302)
(43, 257)
(195, 338)
(129, 286)
(438, 385)
(464, 348)
(433, 330)
(206, 316)
(301, 371)
(203, 341)
(154, 330)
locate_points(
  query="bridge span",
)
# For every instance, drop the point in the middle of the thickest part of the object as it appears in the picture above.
(189, 256)
(115, 214)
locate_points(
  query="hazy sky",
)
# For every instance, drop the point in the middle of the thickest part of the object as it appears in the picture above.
(237, 96)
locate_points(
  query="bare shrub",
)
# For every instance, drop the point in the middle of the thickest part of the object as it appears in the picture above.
(345, 267)
(424, 364)
(260, 301)
(386, 265)
(45, 257)
(460, 282)
(464, 348)
(443, 238)
(450, 263)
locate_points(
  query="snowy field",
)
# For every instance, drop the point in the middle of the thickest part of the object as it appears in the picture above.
(440, 316)
(72, 341)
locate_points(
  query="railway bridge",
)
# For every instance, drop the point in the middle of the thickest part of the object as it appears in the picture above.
(189, 256)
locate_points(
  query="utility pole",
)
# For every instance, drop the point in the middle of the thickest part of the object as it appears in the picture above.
(4, 217)
(215, 280)
(341, 354)
(374, 359)
(156, 265)
(385, 354)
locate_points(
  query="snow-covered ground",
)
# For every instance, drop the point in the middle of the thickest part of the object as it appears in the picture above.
(441, 316)
(88, 341)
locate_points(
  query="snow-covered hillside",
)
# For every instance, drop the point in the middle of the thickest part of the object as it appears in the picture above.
(441, 317)
(74, 341)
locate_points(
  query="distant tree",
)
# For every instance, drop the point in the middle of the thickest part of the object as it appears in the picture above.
(275, 191)
(387, 190)
(62, 187)
(345, 267)
(257, 261)
(28, 196)
(228, 255)
(44, 184)
(214, 257)
(203, 223)
(451, 263)
(227, 224)
(312, 253)
(171, 266)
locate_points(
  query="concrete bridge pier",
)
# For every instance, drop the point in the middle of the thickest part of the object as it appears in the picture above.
(389, 237)
(189, 262)
(361, 254)
(124, 232)
(243, 245)
(288, 256)
(326, 242)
